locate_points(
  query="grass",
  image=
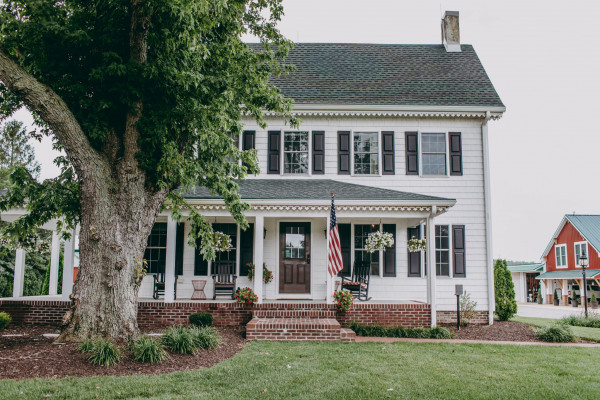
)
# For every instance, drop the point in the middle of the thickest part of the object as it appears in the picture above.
(579, 331)
(308, 370)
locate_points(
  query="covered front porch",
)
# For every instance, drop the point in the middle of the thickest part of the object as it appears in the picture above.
(564, 283)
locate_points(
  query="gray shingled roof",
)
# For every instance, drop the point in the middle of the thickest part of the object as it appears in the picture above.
(386, 74)
(313, 189)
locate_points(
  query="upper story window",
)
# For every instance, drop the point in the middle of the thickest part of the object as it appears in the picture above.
(295, 152)
(433, 153)
(366, 153)
(442, 250)
(580, 249)
(560, 251)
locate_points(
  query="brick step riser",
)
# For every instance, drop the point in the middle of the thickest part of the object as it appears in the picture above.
(294, 314)
(294, 334)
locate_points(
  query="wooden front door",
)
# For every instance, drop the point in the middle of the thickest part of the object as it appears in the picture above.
(294, 257)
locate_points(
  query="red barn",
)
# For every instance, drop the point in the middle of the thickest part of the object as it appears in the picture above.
(576, 235)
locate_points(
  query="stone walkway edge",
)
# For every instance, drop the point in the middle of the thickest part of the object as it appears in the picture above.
(466, 341)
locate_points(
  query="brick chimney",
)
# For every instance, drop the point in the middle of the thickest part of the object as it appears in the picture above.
(451, 32)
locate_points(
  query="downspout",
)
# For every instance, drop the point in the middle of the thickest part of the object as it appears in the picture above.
(488, 218)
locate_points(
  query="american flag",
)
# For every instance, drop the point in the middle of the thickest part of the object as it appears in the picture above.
(334, 262)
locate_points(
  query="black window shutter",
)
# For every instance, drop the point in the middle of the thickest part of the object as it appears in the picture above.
(389, 254)
(343, 152)
(455, 153)
(412, 153)
(345, 244)
(246, 249)
(248, 140)
(414, 259)
(273, 152)
(200, 264)
(387, 152)
(458, 249)
(318, 152)
(179, 240)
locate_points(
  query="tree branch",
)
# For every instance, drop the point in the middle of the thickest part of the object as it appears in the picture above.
(52, 109)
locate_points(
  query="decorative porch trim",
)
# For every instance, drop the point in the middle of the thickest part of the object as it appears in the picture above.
(300, 207)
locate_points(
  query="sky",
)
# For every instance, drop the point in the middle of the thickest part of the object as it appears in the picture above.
(543, 59)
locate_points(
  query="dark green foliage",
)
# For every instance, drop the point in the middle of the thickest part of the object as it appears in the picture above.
(201, 319)
(104, 353)
(180, 340)
(86, 346)
(557, 332)
(506, 305)
(437, 332)
(206, 338)
(146, 349)
(581, 320)
(46, 285)
(36, 264)
(5, 320)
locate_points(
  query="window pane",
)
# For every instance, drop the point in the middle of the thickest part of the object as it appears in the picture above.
(434, 164)
(296, 163)
(434, 142)
(366, 153)
(294, 242)
(433, 153)
(295, 152)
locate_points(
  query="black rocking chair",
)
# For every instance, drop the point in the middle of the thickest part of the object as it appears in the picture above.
(159, 285)
(358, 284)
(224, 277)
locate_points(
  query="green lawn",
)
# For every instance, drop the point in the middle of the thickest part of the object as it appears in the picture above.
(579, 331)
(306, 370)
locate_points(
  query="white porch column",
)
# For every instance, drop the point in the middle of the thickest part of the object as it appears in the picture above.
(19, 275)
(259, 228)
(542, 289)
(54, 262)
(431, 270)
(170, 261)
(565, 292)
(329, 294)
(68, 264)
(523, 291)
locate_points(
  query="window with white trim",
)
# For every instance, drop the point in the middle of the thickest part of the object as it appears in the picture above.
(156, 248)
(560, 250)
(361, 234)
(295, 152)
(433, 154)
(580, 249)
(366, 153)
(442, 250)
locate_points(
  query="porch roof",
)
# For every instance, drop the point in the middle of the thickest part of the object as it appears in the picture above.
(316, 189)
(526, 267)
(569, 274)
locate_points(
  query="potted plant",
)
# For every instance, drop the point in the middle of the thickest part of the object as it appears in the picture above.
(267, 274)
(573, 298)
(540, 299)
(594, 301)
(556, 300)
(245, 296)
(344, 300)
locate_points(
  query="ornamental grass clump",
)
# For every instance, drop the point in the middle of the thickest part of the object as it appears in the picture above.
(591, 321)
(557, 333)
(201, 319)
(149, 350)
(86, 346)
(104, 353)
(5, 319)
(180, 340)
(206, 338)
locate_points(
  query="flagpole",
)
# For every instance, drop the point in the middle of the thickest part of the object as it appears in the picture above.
(329, 296)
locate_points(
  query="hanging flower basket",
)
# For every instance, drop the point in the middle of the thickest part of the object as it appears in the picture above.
(415, 245)
(267, 274)
(222, 241)
(379, 241)
(344, 300)
(245, 296)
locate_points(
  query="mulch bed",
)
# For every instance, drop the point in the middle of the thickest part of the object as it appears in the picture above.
(33, 356)
(500, 330)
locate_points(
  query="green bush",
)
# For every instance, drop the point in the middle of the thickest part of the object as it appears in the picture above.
(201, 319)
(437, 332)
(104, 353)
(180, 340)
(506, 305)
(5, 319)
(581, 320)
(206, 338)
(146, 349)
(86, 346)
(557, 332)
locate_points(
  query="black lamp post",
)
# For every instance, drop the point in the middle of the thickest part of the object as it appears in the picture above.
(583, 263)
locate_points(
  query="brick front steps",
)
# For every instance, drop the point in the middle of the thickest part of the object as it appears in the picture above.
(319, 325)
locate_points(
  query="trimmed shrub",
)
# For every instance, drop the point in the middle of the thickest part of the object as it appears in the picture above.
(5, 319)
(558, 332)
(104, 353)
(506, 305)
(180, 340)
(581, 320)
(206, 338)
(437, 332)
(201, 319)
(146, 349)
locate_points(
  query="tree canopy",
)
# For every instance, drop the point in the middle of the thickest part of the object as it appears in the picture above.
(15, 151)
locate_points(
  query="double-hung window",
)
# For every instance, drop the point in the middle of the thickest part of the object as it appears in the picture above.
(361, 234)
(580, 249)
(442, 250)
(366, 153)
(231, 231)
(295, 152)
(560, 251)
(433, 154)
(156, 248)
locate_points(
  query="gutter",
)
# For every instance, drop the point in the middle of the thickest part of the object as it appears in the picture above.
(488, 218)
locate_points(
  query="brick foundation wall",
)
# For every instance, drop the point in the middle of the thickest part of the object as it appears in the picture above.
(449, 317)
(156, 314)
